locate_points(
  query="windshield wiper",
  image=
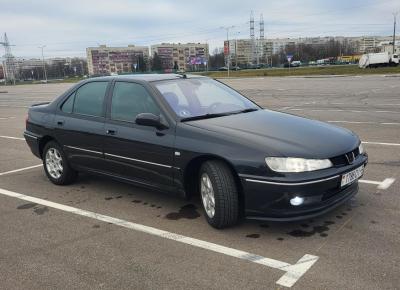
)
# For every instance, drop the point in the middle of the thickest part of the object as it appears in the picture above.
(206, 116)
(215, 115)
(246, 110)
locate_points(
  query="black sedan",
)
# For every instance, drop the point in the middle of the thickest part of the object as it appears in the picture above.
(194, 135)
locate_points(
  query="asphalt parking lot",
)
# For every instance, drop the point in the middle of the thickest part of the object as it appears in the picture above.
(102, 234)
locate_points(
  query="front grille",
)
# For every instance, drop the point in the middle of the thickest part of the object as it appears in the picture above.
(342, 159)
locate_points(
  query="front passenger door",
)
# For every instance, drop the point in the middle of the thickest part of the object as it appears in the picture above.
(139, 153)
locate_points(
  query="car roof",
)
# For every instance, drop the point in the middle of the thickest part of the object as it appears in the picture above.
(148, 77)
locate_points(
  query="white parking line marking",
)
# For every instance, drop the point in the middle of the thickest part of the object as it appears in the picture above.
(357, 122)
(21, 169)
(297, 270)
(340, 110)
(12, 106)
(370, 181)
(385, 184)
(293, 272)
(14, 138)
(6, 118)
(379, 143)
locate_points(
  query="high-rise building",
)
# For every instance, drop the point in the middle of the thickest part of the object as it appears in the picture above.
(243, 53)
(105, 60)
(387, 46)
(182, 56)
(241, 49)
(368, 44)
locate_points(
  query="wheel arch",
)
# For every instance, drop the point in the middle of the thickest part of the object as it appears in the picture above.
(191, 173)
(43, 141)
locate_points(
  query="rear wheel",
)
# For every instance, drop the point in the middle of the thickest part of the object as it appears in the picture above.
(219, 194)
(56, 165)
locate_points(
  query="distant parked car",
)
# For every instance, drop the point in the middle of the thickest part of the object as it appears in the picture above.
(194, 135)
(223, 68)
(295, 63)
(254, 66)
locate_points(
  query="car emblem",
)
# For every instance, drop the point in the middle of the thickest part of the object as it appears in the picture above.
(350, 157)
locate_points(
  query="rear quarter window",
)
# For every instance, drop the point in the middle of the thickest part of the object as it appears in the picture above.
(68, 105)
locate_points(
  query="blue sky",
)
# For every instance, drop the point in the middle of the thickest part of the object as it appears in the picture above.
(68, 27)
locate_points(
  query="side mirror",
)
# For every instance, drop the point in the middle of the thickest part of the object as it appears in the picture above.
(151, 120)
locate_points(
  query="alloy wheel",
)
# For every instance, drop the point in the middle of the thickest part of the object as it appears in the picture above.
(54, 163)
(207, 195)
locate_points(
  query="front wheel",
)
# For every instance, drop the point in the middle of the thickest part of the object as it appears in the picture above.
(219, 194)
(56, 165)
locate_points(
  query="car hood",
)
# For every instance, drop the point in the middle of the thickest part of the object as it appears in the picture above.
(290, 135)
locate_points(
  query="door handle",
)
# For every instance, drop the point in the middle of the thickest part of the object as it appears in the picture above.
(111, 131)
(60, 122)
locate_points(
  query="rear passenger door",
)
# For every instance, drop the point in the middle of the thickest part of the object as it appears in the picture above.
(140, 153)
(79, 125)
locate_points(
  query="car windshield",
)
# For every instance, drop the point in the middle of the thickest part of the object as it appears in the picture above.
(202, 98)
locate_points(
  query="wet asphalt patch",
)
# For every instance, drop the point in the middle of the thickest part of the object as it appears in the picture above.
(188, 211)
(305, 230)
(27, 206)
(321, 230)
(39, 210)
(146, 203)
(253, 236)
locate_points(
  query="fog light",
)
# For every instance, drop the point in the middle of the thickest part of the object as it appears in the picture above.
(297, 200)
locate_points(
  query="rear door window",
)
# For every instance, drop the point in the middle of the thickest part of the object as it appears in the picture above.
(89, 99)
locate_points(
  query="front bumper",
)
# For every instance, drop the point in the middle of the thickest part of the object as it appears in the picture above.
(270, 200)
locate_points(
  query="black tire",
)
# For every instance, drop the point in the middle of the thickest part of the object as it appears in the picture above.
(225, 194)
(68, 174)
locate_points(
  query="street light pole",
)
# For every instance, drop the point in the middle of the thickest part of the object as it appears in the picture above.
(43, 63)
(394, 31)
(229, 49)
(236, 49)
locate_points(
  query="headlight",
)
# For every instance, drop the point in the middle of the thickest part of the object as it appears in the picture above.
(280, 164)
(361, 149)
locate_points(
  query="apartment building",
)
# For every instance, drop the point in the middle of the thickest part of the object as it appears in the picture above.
(388, 46)
(367, 44)
(182, 56)
(105, 60)
(241, 51)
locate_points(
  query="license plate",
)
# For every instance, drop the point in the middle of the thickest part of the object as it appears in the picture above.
(352, 176)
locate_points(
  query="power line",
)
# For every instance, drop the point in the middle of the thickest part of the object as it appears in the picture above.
(9, 60)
